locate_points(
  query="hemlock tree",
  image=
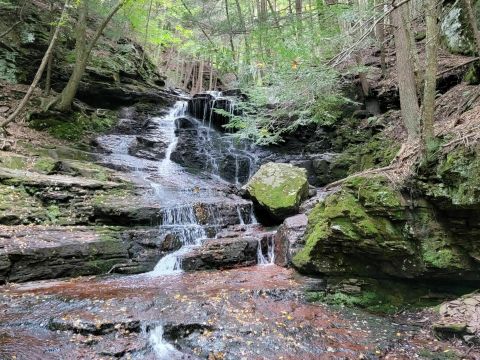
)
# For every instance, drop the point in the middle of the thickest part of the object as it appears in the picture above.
(429, 92)
(405, 73)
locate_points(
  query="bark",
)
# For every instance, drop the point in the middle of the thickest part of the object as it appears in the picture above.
(429, 92)
(146, 32)
(48, 76)
(230, 31)
(405, 76)
(243, 27)
(473, 23)
(380, 33)
(40, 70)
(82, 51)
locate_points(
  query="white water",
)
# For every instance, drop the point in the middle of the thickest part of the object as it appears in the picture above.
(269, 258)
(163, 350)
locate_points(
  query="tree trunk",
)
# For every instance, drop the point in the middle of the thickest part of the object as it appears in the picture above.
(473, 23)
(230, 31)
(48, 76)
(429, 91)
(40, 70)
(82, 52)
(380, 33)
(146, 32)
(405, 76)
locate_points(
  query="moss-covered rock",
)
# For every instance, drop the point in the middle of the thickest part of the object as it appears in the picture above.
(278, 189)
(370, 229)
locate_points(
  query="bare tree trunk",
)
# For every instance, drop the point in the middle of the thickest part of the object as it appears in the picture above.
(200, 76)
(82, 51)
(428, 105)
(210, 79)
(380, 32)
(406, 76)
(40, 70)
(473, 23)
(230, 31)
(48, 76)
(146, 33)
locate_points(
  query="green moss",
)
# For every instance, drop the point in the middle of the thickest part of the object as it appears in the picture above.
(14, 162)
(17, 206)
(279, 188)
(75, 127)
(374, 152)
(44, 165)
(53, 213)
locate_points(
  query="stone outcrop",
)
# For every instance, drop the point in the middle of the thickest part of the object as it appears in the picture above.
(367, 228)
(278, 190)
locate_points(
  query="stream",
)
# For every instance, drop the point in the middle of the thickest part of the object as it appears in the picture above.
(253, 312)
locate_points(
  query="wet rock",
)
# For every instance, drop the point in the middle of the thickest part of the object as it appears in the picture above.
(148, 148)
(185, 123)
(290, 238)
(222, 254)
(204, 106)
(94, 326)
(277, 190)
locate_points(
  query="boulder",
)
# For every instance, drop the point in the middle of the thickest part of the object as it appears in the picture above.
(222, 254)
(289, 238)
(277, 190)
(370, 229)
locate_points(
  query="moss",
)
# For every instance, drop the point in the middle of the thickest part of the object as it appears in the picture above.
(278, 188)
(455, 182)
(445, 258)
(75, 127)
(472, 76)
(44, 165)
(374, 152)
(53, 213)
(26, 208)
(14, 162)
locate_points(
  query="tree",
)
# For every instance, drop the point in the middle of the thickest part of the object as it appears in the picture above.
(40, 70)
(82, 53)
(405, 73)
(428, 106)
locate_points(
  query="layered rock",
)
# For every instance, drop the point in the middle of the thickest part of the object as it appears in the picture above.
(460, 318)
(278, 190)
(222, 254)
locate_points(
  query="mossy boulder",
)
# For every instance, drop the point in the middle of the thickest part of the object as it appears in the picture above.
(370, 229)
(278, 190)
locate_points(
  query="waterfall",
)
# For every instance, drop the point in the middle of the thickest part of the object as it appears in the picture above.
(269, 258)
(163, 350)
